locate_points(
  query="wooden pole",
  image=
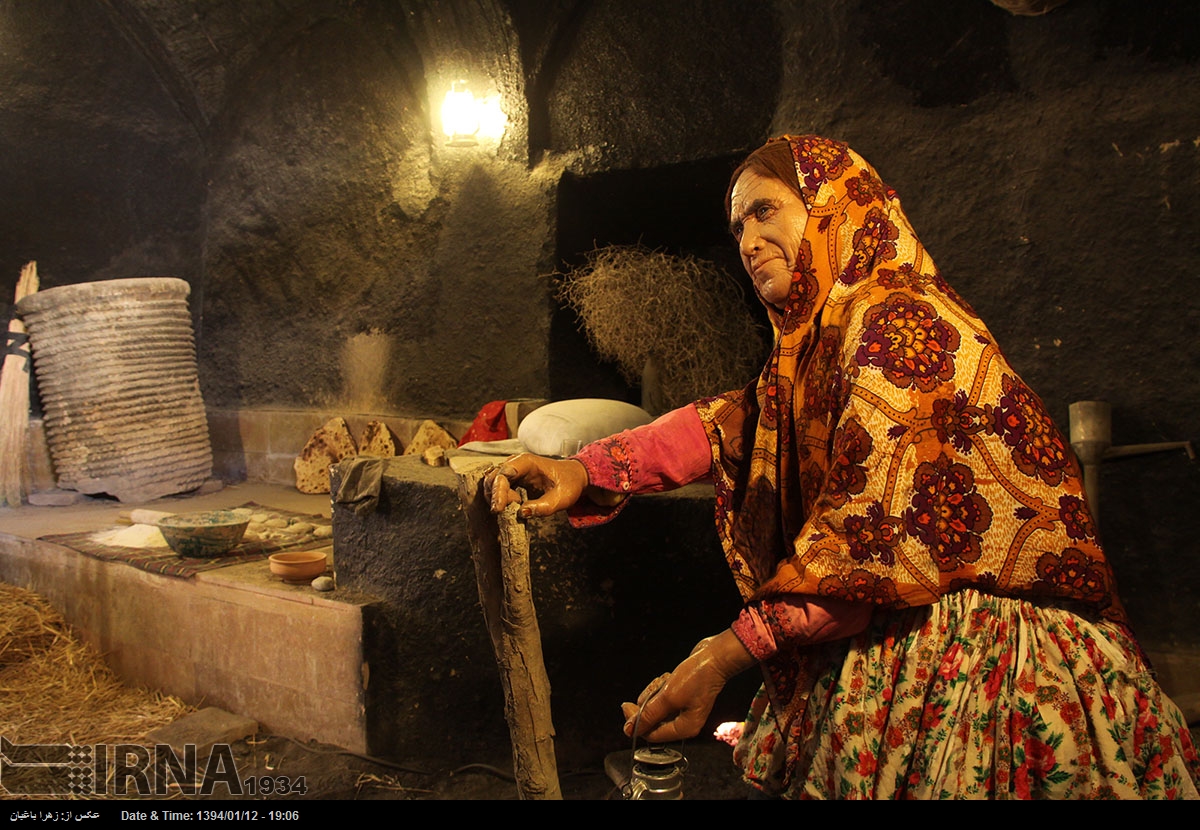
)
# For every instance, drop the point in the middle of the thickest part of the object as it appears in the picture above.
(14, 399)
(500, 551)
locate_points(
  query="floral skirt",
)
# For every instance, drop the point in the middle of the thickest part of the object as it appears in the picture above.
(975, 697)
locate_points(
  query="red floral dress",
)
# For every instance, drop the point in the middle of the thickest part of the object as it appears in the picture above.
(977, 696)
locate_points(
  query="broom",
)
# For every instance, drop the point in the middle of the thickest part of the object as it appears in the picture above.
(14, 398)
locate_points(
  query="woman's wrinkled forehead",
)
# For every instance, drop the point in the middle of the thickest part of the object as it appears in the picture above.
(773, 160)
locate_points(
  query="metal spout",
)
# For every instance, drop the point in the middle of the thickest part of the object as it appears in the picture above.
(1091, 439)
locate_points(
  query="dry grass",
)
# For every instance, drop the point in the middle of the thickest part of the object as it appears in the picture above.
(389, 783)
(686, 315)
(55, 689)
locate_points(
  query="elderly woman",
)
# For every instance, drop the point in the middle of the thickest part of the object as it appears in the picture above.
(925, 594)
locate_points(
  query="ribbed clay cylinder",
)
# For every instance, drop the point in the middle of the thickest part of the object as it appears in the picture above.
(115, 363)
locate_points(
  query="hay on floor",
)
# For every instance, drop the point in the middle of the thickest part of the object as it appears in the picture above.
(55, 689)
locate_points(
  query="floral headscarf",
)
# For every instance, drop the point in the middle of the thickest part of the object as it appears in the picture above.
(888, 453)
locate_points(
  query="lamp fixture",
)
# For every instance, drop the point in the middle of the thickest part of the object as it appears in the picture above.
(460, 116)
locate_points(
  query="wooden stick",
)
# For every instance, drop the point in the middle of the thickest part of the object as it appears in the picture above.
(14, 399)
(500, 551)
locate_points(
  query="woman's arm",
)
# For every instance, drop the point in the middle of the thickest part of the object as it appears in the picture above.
(772, 625)
(668, 453)
(675, 706)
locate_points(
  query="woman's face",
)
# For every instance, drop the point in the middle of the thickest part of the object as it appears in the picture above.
(767, 219)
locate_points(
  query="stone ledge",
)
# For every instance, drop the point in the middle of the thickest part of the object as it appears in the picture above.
(295, 667)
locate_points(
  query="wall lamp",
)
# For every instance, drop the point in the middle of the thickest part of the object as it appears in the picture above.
(460, 116)
(466, 119)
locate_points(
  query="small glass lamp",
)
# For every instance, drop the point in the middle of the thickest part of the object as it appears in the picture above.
(460, 116)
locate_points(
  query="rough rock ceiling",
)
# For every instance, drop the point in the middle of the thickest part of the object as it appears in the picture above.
(198, 46)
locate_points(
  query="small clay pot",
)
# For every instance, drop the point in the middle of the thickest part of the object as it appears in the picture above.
(299, 566)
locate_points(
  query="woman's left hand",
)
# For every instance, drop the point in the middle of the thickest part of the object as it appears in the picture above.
(676, 705)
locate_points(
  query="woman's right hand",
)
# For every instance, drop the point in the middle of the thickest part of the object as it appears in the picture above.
(561, 483)
(675, 706)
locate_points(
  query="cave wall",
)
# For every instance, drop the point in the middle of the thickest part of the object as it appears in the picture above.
(337, 233)
(286, 160)
(101, 175)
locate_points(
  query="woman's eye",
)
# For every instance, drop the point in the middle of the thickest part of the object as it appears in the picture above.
(763, 212)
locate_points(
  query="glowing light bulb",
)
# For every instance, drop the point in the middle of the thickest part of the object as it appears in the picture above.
(460, 116)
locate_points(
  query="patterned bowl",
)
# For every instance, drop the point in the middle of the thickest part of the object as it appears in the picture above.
(299, 566)
(204, 535)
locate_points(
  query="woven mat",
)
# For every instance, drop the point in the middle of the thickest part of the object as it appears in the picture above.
(165, 561)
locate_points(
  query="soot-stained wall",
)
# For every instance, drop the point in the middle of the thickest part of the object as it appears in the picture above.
(100, 173)
(335, 228)
(341, 232)
(286, 160)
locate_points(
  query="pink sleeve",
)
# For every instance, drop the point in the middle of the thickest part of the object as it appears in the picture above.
(772, 625)
(668, 453)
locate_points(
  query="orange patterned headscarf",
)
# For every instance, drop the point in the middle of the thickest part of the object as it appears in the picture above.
(888, 453)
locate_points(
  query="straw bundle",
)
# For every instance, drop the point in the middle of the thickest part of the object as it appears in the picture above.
(14, 399)
(683, 316)
(54, 689)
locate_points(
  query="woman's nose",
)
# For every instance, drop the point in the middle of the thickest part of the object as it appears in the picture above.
(750, 242)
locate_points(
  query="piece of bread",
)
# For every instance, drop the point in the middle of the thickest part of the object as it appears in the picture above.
(377, 440)
(429, 434)
(327, 446)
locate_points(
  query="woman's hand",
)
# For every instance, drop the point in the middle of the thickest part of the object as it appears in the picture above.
(676, 705)
(560, 482)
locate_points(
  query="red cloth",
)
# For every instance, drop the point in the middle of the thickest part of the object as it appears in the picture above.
(489, 425)
(668, 453)
(772, 625)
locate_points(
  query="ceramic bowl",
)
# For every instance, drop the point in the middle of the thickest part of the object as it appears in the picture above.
(299, 566)
(204, 535)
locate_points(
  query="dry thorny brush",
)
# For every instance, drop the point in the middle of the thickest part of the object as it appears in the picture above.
(685, 315)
